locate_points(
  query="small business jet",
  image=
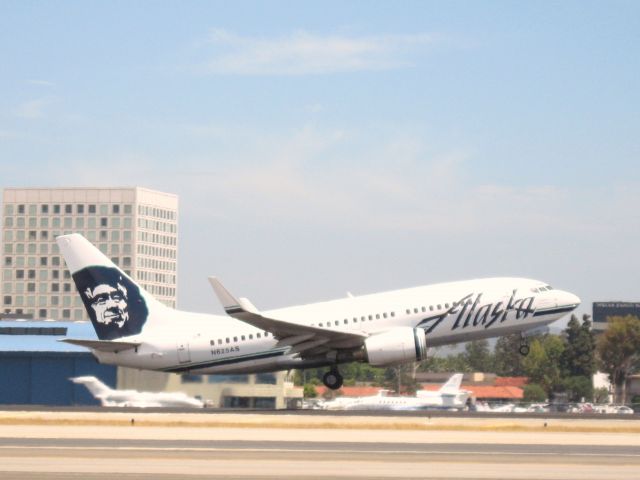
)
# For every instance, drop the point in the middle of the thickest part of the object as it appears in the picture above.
(448, 397)
(136, 330)
(132, 398)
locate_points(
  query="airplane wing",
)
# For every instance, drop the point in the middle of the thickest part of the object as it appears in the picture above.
(304, 339)
(102, 345)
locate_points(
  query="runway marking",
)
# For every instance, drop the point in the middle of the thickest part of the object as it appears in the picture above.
(340, 451)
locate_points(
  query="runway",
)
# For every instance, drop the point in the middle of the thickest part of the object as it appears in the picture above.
(156, 452)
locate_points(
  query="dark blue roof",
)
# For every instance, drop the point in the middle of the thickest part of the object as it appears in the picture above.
(42, 335)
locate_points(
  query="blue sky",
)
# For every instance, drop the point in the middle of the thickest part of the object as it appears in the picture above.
(333, 146)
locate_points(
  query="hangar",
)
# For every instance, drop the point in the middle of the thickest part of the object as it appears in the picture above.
(35, 367)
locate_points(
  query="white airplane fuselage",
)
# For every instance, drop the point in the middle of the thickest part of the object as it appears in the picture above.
(448, 313)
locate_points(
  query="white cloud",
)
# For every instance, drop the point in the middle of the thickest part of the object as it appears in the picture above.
(41, 83)
(304, 53)
(34, 109)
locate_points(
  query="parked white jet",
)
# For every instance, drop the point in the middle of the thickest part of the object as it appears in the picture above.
(132, 398)
(449, 397)
(135, 330)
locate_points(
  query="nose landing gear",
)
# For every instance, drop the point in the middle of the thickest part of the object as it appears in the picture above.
(524, 346)
(332, 379)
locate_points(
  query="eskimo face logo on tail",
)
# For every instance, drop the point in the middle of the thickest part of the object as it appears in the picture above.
(112, 300)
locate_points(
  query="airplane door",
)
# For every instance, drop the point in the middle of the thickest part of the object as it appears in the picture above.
(184, 356)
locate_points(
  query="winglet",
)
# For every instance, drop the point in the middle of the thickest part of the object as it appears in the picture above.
(230, 303)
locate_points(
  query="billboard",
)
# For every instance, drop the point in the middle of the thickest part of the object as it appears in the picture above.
(602, 310)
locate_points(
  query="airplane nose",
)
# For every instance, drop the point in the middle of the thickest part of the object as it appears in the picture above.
(569, 299)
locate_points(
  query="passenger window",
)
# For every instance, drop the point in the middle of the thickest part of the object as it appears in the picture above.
(257, 335)
(242, 337)
(415, 310)
(431, 307)
(337, 323)
(235, 339)
(439, 307)
(446, 305)
(346, 321)
(362, 319)
(393, 314)
(355, 320)
(377, 316)
(212, 342)
(219, 341)
(384, 315)
(320, 324)
(250, 336)
(370, 317)
(228, 340)
(408, 311)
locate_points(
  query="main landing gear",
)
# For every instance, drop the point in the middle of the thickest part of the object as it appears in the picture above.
(332, 379)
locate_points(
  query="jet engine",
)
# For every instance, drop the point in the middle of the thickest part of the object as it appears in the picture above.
(398, 345)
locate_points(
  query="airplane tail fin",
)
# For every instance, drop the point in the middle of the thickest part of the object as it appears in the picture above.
(452, 386)
(95, 386)
(117, 305)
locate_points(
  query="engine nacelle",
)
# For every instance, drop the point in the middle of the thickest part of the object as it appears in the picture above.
(399, 345)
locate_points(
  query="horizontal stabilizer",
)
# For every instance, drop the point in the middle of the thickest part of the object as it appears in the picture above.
(102, 345)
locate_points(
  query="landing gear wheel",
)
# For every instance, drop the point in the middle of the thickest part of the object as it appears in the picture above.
(524, 350)
(332, 379)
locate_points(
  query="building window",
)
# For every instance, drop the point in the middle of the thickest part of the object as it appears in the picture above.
(31, 274)
(55, 287)
(127, 209)
(20, 209)
(115, 209)
(7, 300)
(80, 209)
(68, 209)
(92, 209)
(188, 378)
(43, 261)
(103, 222)
(56, 209)
(66, 313)
(44, 208)
(266, 378)
(19, 274)
(7, 261)
(31, 287)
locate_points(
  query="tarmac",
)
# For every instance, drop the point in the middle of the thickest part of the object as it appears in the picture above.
(56, 445)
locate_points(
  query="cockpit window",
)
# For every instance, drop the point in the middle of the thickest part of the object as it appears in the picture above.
(542, 289)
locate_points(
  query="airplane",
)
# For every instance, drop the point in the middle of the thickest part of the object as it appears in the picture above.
(448, 397)
(384, 329)
(132, 398)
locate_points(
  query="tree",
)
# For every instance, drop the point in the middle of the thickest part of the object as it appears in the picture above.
(542, 365)
(309, 391)
(478, 356)
(578, 359)
(507, 358)
(402, 378)
(578, 388)
(619, 352)
(534, 393)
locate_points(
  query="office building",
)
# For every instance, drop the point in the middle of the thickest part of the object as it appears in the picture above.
(137, 228)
